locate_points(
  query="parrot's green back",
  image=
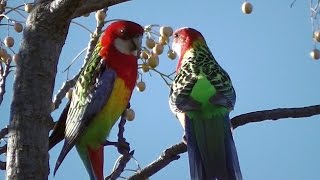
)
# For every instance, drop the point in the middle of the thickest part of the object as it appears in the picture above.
(203, 91)
(208, 123)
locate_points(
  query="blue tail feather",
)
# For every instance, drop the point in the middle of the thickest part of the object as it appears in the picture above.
(211, 150)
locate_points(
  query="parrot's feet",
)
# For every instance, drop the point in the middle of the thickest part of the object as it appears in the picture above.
(121, 145)
(188, 104)
(220, 99)
(110, 143)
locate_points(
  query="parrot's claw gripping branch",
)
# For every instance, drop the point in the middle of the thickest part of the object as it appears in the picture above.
(123, 148)
(120, 145)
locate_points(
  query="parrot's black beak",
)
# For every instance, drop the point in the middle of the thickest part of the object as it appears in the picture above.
(136, 46)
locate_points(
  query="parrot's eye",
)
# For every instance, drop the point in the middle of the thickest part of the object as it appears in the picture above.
(121, 31)
(175, 35)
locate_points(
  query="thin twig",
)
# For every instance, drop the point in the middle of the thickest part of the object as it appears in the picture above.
(126, 153)
(293, 2)
(3, 78)
(3, 132)
(63, 90)
(165, 77)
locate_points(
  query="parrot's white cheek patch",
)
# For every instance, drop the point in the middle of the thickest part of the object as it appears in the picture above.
(123, 46)
(130, 46)
(177, 48)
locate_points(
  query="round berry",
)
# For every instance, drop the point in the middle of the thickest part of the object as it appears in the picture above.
(166, 31)
(17, 27)
(150, 43)
(157, 49)
(171, 54)
(141, 86)
(247, 8)
(9, 41)
(153, 61)
(315, 54)
(130, 114)
(28, 7)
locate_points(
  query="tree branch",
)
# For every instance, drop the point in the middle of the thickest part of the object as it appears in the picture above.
(66, 7)
(94, 5)
(173, 152)
(3, 77)
(275, 114)
(3, 132)
(165, 158)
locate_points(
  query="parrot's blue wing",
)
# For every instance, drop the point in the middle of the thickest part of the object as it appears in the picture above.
(80, 114)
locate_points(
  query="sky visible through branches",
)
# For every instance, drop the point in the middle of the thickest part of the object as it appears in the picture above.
(265, 53)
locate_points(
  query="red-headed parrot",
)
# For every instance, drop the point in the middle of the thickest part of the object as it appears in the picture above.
(201, 97)
(101, 94)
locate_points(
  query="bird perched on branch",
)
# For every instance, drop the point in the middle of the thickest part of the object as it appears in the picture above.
(201, 97)
(101, 94)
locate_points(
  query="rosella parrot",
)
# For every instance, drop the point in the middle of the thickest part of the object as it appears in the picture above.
(101, 94)
(201, 97)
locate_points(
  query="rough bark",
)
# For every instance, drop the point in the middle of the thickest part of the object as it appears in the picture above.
(30, 119)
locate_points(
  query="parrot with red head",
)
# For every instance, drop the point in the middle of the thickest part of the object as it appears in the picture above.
(202, 97)
(101, 94)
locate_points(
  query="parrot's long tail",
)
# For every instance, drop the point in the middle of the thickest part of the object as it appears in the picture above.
(93, 161)
(211, 149)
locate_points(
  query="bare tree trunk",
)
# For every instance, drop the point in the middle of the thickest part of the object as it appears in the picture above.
(30, 120)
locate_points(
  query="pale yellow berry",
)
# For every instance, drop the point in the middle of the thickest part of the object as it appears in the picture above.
(315, 54)
(69, 94)
(150, 43)
(163, 40)
(9, 41)
(171, 54)
(100, 15)
(145, 67)
(6, 58)
(316, 36)
(3, 52)
(16, 58)
(130, 114)
(166, 31)
(3, 5)
(141, 86)
(157, 49)
(28, 7)
(153, 61)
(17, 27)
(247, 8)
(144, 55)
